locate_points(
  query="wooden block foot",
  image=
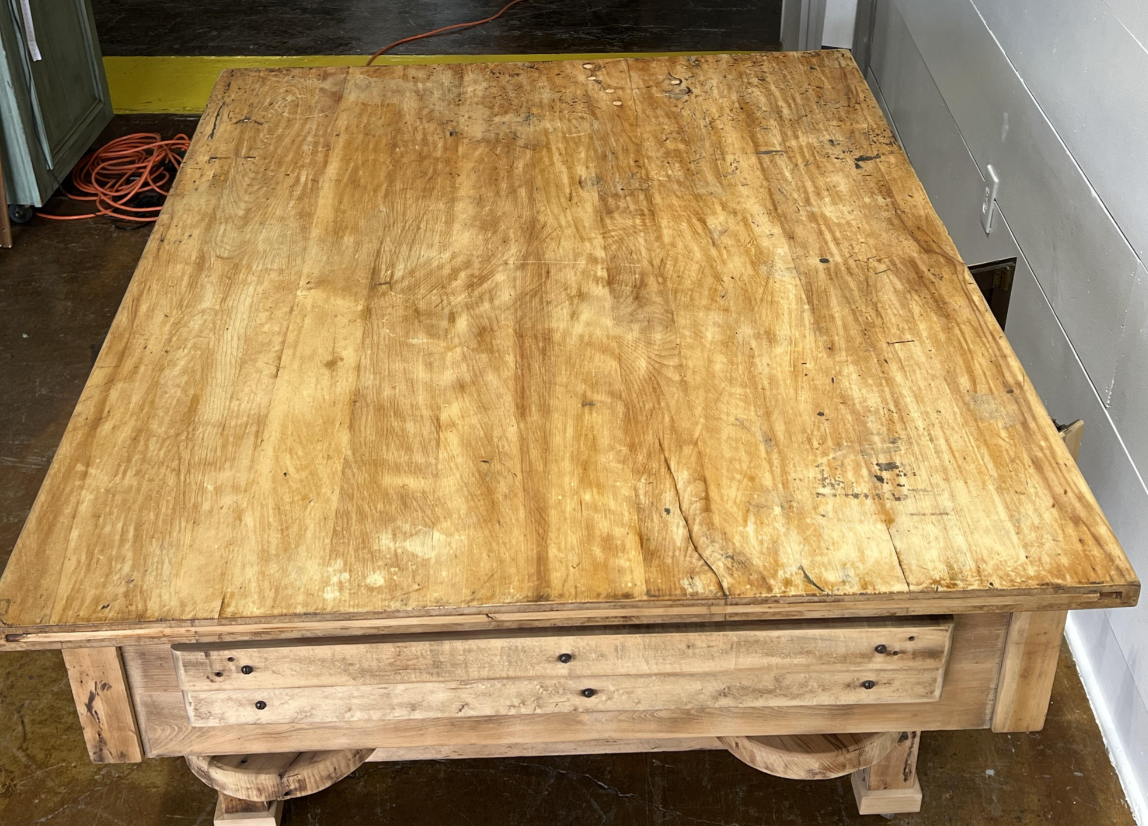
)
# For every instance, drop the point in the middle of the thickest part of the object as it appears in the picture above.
(890, 786)
(232, 810)
(885, 801)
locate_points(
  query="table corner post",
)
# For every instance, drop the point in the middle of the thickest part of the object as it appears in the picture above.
(1028, 668)
(103, 700)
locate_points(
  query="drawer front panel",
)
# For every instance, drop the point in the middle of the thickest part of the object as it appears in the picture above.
(615, 669)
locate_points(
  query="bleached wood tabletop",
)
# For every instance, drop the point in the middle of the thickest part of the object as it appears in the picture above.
(668, 335)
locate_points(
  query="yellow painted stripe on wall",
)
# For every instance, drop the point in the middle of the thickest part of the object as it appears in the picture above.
(181, 84)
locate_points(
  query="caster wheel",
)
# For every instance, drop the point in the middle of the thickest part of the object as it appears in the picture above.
(20, 213)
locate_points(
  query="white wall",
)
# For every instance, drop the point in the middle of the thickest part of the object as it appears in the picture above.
(1054, 95)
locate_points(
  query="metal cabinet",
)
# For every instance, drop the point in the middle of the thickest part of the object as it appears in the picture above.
(51, 109)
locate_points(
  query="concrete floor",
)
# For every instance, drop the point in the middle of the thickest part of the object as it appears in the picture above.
(292, 27)
(59, 288)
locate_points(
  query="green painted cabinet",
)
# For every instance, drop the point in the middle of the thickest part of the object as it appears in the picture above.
(51, 109)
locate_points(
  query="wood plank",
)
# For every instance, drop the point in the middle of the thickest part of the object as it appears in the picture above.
(427, 340)
(871, 646)
(813, 608)
(228, 805)
(1028, 670)
(470, 752)
(1073, 436)
(886, 801)
(498, 698)
(104, 702)
(231, 810)
(966, 702)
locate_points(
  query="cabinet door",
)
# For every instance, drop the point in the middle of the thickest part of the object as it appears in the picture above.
(51, 109)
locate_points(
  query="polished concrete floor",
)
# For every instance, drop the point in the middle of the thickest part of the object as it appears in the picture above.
(59, 289)
(292, 27)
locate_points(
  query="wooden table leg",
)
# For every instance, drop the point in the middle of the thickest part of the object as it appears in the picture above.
(232, 810)
(5, 224)
(890, 785)
(104, 702)
(1028, 670)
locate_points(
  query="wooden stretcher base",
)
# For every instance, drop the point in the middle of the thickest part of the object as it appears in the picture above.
(337, 703)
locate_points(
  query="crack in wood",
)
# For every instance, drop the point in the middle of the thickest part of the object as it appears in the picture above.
(689, 528)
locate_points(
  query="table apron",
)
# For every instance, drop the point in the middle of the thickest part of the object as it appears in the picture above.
(650, 707)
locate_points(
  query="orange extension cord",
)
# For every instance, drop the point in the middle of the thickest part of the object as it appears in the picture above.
(135, 165)
(121, 175)
(443, 30)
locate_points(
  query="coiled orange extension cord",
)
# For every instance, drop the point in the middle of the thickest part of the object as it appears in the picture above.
(120, 175)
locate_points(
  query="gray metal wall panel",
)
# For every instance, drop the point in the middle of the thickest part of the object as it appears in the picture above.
(1133, 16)
(1083, 262)
(1090, 77)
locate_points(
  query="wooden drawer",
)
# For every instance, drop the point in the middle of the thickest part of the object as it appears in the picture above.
(900, 660)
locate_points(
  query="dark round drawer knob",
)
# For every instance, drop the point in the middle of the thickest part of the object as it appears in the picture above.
(259, 704)
(565, 658)
(588, 692)
(881, 649)
(868, 684)
(247, 669)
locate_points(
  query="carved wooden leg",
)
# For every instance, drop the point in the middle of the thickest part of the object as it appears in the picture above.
(232, 810)
(890, 785)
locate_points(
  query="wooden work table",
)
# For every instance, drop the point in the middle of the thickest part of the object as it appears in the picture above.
(554, 407)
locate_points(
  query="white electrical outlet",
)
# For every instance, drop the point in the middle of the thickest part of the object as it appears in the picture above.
(989, 206)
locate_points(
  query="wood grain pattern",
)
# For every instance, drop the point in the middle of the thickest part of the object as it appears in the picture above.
(966, 703)
(104, 702)
(602, 669)
(411, 341)
(503, 698)
(231, 811)
(890, 785)
(1073, 437)
(870, 646)
(1028, 670)
(811, 756)
(504, 621)
(885, 801)
(898, 768)
(611, 746)
(264, 777)
(228, 805)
